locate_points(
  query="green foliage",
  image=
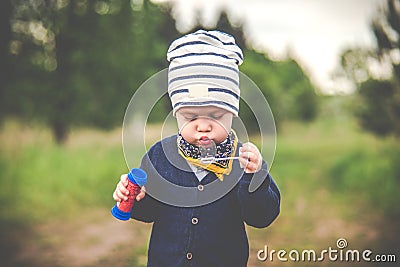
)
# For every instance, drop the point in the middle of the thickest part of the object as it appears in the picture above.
(354, 64)
(92, 57)
(379, 110)
(287, 89)
(372, 173)
(379, 107)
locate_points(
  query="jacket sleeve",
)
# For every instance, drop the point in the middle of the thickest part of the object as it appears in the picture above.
(261, 205)
(145, 210)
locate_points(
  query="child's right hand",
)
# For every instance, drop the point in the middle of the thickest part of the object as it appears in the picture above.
(121, 192)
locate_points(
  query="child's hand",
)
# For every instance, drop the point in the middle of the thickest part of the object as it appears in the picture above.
(121, 192)
(250, 158)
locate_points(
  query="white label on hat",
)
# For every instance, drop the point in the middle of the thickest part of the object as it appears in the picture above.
(198, 90)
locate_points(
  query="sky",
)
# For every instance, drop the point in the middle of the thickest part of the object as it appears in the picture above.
(314, 31)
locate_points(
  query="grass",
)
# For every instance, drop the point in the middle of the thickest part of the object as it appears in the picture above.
(40, 180)
(328, 174)
(335, 180)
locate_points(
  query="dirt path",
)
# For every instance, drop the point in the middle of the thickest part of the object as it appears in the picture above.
(95, 240)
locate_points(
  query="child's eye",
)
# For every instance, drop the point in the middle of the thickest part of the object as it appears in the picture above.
(191, 117)
(216, 116)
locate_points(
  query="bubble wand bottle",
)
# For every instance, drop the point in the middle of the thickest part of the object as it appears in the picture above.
(136, 179)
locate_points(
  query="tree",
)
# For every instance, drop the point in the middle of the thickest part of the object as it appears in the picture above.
(78, 62)
(287, 89)
(6, 66)
(378, 112)
(379, 109)
(386, 28)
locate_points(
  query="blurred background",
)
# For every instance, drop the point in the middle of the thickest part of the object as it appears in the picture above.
(330, 71)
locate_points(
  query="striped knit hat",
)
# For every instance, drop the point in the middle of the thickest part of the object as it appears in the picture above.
(204, 71)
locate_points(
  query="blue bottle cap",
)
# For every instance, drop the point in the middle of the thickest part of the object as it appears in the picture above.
(119, 214)
(137, 176)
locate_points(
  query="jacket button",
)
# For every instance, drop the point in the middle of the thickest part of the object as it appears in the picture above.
(200, 187)
(195, 220)
(189, 256)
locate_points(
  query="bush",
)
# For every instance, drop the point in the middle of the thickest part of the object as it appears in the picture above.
(373, 173)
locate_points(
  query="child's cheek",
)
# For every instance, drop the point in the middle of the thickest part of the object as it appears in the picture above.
(188, 136)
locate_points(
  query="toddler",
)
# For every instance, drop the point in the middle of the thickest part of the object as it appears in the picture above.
(198, 209)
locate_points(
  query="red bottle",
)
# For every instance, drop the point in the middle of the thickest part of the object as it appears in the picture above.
(136, 179)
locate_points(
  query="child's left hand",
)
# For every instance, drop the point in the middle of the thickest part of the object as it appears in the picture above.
(250, 158)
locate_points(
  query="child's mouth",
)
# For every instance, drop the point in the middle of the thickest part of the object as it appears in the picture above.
(204, 140)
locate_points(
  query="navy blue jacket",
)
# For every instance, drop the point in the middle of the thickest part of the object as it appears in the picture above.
(201, 223)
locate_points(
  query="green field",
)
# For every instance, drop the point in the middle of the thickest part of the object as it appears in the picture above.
(336, 182)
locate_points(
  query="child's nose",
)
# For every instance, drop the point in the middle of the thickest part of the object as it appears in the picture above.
(203, 125)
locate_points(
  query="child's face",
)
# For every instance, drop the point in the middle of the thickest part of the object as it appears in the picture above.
(196, 124)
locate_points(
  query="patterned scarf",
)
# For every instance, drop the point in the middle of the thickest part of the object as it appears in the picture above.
(227, 148)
